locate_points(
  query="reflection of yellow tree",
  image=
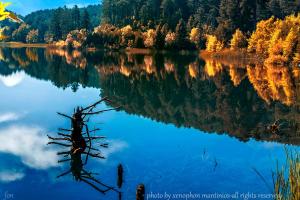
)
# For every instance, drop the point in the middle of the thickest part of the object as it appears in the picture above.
(193, 70)
(236, 74)
(72, 58)
(23, 62)
(149, 68)
(124, 69)
(169, 66)
(2, 57)
(32, 54)
(272, 83)
(212, 68)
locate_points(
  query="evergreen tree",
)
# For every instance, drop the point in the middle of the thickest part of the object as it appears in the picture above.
(247, 15)
(66, 22)
(86, 23)
(181, 35)
(76, 17)
(261, 10)
(107, 10)
(183, 7)
(55, 25)
(168, 10)
(159, 37)
(274, 8)
(146, 13)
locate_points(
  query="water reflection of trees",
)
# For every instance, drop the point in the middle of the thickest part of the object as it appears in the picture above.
(49, 65)
(238, 98)
(209, 96)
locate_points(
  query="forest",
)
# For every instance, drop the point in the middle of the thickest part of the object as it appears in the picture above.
(269, 28)
(51, 24)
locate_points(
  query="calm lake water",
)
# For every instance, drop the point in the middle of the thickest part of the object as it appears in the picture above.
(186, 125)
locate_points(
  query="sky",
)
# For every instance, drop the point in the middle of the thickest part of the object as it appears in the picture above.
(25, 7)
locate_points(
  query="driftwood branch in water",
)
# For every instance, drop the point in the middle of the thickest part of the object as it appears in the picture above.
(65, 139)
(95, 104)
(65, 135)
(64, 115)
(101, 111)
(80, 143)
(66, 145)
(63, 174)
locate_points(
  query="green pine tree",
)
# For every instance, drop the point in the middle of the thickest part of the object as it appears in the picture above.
(86, 23)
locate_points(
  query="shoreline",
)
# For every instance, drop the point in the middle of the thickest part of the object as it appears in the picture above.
(232, 56)
(93, 49)
(226, 55)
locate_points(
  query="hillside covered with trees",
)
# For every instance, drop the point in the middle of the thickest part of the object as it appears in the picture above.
(52, 24)
(222, 17)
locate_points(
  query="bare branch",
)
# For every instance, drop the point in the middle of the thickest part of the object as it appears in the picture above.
(63, 152)
(95, 104)
(63, 129)
(94, 155)
(52, 138)
(90, 143)
(60, 161)
(66, 145)
(95, 130)
(96, 137)
(65, 173)
(92, 178)
(65, 135)
(64, 115)
(95, 187)
(101, 111)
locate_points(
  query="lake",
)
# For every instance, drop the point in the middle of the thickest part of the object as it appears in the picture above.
(187, 125)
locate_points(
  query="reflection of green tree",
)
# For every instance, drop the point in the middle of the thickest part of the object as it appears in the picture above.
(53, 68)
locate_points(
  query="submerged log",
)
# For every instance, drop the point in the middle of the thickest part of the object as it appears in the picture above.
(120, 175)
(140, 192)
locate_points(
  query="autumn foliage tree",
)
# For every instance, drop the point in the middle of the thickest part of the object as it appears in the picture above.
(238, 41)
(213, 44)
(105, 36)
(170, 40)
(149, 38)
(195, 36)
(32, 36)
(278, 41)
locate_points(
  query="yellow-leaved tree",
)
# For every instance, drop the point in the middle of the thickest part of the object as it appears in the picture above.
(259, 40)
(238, 41)
(195, 36)
(213, 44)
(149, 38)
(278, 41)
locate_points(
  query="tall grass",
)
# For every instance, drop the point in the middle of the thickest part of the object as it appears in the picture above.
(287, 178)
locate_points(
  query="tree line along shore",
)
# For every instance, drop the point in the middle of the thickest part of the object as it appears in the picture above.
(267, 29)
